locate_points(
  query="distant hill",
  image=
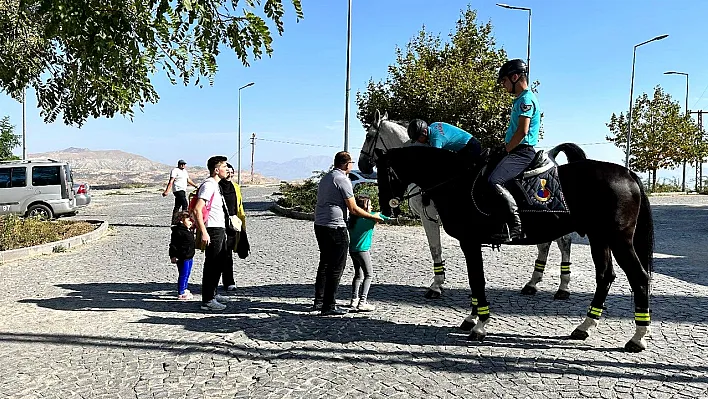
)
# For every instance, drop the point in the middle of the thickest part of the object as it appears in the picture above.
(294, 169)
(104, 167)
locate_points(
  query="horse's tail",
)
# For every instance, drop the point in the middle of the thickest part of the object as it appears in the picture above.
(572, 152)
(644, 232)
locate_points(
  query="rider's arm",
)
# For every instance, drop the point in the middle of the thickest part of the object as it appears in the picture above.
(522, 130)
(355, 210)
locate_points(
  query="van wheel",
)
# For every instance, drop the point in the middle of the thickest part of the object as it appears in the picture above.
(41, 211)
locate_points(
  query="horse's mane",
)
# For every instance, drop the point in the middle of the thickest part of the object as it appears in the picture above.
(402, 124)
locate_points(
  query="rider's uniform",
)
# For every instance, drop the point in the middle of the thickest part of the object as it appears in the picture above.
(525, 105)
(446, 136)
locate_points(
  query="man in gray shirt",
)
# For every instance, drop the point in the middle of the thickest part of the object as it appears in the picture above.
(335, 196)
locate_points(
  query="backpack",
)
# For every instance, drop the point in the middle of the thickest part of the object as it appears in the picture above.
(193, 198)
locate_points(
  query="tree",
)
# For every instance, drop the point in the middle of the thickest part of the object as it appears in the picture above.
(8, 140)
(98, 57)
(454, 82)
(661, 133)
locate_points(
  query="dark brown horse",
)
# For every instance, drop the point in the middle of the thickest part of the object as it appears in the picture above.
(606, 202)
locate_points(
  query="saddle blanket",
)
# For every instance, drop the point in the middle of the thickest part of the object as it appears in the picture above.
(539, 192)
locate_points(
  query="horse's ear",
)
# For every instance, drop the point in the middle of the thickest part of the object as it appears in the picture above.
(385, 117)
(377, 118)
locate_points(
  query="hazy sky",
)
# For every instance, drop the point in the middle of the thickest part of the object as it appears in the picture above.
(581, 53)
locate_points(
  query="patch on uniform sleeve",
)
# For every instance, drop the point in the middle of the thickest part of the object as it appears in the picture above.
(526, 107)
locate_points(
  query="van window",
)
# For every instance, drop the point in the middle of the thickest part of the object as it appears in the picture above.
(13, 177)
(45, 176)
(19, 177)
(5, 177)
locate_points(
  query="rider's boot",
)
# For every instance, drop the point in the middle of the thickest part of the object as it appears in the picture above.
(508, 205)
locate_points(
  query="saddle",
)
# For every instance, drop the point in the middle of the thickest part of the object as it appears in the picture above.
(536, 189)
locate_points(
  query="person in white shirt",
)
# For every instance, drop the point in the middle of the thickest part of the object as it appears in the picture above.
(179, 182)
(212, 229)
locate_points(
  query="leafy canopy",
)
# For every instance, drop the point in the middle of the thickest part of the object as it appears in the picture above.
(452, 81)
(94, 58)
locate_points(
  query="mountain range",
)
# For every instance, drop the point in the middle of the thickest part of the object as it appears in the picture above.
(101, 167)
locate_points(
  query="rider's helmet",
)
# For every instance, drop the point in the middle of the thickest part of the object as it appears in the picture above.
(511, 67)
(417, 128)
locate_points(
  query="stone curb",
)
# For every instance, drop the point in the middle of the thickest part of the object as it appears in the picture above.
(291, 213)
(48, 248)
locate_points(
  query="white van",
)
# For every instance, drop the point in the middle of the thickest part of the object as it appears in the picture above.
(36, 187)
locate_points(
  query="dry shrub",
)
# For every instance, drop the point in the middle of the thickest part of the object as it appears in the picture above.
(17, 232)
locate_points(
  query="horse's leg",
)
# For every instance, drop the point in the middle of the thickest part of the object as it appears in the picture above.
(539, 267)
(475, 274)
(627, 259)
(564, 247)
(604, 275)
(432, 232)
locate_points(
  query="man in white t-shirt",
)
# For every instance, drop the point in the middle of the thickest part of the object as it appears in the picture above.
(213, 233)
(179, 182)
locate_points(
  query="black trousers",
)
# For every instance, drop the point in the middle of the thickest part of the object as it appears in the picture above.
(180, 201)
(227, 272)
(512, 164)
(334, 246)
(215, 259)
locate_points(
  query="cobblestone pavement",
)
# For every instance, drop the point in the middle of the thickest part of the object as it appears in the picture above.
(103, 320)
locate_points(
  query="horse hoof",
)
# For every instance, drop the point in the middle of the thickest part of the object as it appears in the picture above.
(561, 295)
(467, 325)
(528, 290)
(634, 347)
(432, 294)
(476, 337)
(579, 335)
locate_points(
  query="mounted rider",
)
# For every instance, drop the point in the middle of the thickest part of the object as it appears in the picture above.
(443, 135)
(521, 137)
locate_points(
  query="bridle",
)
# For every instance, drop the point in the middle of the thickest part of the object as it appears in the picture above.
(377, 136)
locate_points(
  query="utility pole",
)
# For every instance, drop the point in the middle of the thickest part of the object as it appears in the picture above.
(348, 85)
(253, 151)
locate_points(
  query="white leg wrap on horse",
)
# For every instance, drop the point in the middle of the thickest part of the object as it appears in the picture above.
(639, 335)
(565, 281)
(472, 318)
(587, 324)
(536, 278)
(479, 327)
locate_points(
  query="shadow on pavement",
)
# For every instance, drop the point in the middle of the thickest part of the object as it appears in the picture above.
(427, 358)
(161, 297)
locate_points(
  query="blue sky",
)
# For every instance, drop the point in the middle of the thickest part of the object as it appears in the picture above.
(581, 53)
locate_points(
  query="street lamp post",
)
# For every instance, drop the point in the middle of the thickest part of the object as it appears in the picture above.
(238, 178)
(631, 95)
(528, 40)
(683, 180)
(24, 125)
(348, 85)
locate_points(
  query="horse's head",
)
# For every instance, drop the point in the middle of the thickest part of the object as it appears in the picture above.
(383, 135)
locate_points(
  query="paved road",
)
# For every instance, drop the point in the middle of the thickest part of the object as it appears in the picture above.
(102, 320)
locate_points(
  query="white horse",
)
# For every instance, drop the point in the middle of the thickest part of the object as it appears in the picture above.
(383, 134)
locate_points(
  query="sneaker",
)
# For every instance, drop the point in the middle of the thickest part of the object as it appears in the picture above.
(231, 288)
(365, 307)
(222, 299)
(213, 305)
(186, 296)
(334, 311)
(354, 303)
